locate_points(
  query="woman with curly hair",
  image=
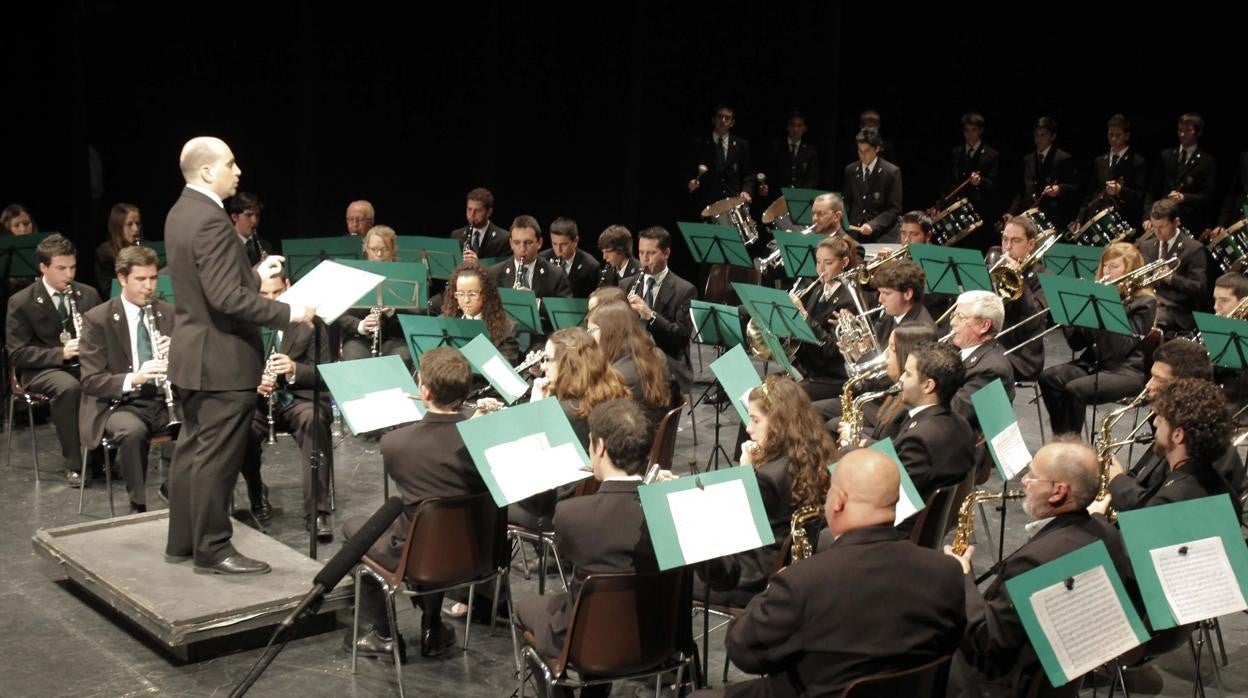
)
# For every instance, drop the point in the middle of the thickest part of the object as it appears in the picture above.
(790, 452)
(1111, 366)
(125, 228)
(579, 375)
(471, 293)
(632, 352)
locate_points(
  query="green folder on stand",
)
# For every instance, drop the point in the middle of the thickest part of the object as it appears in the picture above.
(566, 312)
(951, 270)
(490, 363)
(1000, 426)
(798, 252)
(715, 244)
(17, 255)
(525, 449)
(716, 324)
(775, 310)
(736, 373)
(1225, 338)
(1081, 303)
(425, 332)
(1073, 261)
(406, 285)
(373, 393)
(909, 502)
(439, 255)
(800, 201)
(522, 306)
(702, 517)
(304, 254)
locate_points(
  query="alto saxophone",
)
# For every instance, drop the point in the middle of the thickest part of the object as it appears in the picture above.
(149, 319)
(801, 548)
(851, 409)
(1106, 447)
(966, 516)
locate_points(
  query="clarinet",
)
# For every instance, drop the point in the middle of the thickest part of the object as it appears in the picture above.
(515, 284)
(375, 350)
(149, 318)
(272, 397)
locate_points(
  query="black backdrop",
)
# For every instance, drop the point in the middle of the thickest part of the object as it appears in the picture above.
(585, 110)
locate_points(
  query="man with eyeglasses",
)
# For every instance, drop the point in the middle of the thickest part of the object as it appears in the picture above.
(360, 217)
(975, 324)
(996, 658)
(721, 165)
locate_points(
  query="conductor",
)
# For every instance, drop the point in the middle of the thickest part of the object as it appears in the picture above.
(216, 358)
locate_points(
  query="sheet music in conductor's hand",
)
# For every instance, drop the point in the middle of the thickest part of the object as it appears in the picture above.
(331, 288)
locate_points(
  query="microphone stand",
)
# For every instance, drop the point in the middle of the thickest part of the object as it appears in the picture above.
(317, 457)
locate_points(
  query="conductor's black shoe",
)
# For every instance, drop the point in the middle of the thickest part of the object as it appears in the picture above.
(235, 564)
(73, 478)
(434, 641)
(261, 508)
(137, 508)
(324, 529)
(372, 644)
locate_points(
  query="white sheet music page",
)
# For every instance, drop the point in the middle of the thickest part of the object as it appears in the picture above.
(331, 288)
(505, 377)
(1011, 450)
(380, 409)
(1199, 582)
(1085, 625)
(528, 465)
(713, 521)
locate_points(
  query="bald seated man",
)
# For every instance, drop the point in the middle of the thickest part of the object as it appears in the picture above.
(854, 609)
(996, 658)
(360, 217)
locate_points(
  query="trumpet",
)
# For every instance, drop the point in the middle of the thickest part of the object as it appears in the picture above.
(149, 319)
(271, 399)
(965, 531)
(775, 260)
(1148, 275)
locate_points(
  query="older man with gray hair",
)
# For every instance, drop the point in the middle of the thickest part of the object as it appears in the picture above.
(975, 324)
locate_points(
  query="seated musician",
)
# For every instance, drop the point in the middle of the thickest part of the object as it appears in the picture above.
(631, 351)
(1192, 432)
(1177, 358)
(122, 396)
(916, 229)
(360, 218)
(1184, 290)
(1111, 365)
(827, 214)
(975, 324)
(606, 294)
(1018, 240)
(599, 533)
(1229, 292)
(425, 459)
(471, 293)
(661, 299)
(482, 237)
(290, 390)
(823, 303)
(359, 325)
(936, 445)
(42, 341)
(582, 270)
(245, 209)
(790, 455)
(536, 273)
(901, 285)
(618, 263)
(854, 609)
(125, 228)
(996, 657)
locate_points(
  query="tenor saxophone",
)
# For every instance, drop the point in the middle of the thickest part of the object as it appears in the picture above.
(801, 548)
(966, 516)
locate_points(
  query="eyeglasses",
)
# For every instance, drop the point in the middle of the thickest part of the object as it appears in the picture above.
(469, 295)
(1028, 479)
(725, 117)
(358, 219)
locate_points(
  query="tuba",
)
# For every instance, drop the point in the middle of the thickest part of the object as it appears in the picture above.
(801, 547)
(965, 531)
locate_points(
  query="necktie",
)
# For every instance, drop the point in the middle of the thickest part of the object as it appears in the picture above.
(866, 172)
(970, 152)
(723, 149)
(62, 307)
(793, 149)
(476, 240)
(649, 297)
(1039, 161)
(1113, 160)
(144, 341)
(564, 266)
(1183, 157)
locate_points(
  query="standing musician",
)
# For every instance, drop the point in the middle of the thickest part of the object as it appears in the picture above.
(793, 159)
(1183, 291)
(1187, 175)
(1111, 366)
(41, 336)
(481, 238)
(358, 325)
(471, 294)
(582, 270)
(216, 357)
(286, 398)
(1119, 177)
(616, 245)
(1018, 240)
(996, 657)
(124, 367)
(975, 162)
(822, 303)
(1193, 431)
(721, 162)
(1050, 181)
(873, 191)
(661, 299)
(916, 229)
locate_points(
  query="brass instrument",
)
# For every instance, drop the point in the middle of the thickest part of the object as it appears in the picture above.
(1007, 281)
(1152, 273)
(754, 335)
(801, 547)
(1106, 447)
(272, 396)
(965, 531)
(1240, 311)
(851, 412)
(863, 272)
(149, 319)
(775, 260)
(855, 337)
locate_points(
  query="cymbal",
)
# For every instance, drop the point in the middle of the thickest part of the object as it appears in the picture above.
(722, 206)
(778, 208)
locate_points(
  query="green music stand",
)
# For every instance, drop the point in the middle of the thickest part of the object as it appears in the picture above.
(521, 304)
(439, 255)
(1073, 261)
(17, 256)
(951, 270)
(1226, 339)
(405, 287)
(716, 324)
(715, 244)
(1081, 303)
(798, 252)
(566, 312)
(303, 254)
(425, 332)
(800, 201)
(775, 310)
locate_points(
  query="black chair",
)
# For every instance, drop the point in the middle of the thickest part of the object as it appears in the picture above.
(931, 523)
(17, 392)
(925, 681)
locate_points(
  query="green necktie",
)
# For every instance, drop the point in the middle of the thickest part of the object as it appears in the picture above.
(62, 307)
(145, 341)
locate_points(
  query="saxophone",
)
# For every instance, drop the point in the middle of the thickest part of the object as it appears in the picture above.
(965, 531)
(801, 548)
(851, 409)
(1106, 447)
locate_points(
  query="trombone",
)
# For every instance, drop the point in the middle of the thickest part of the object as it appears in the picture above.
(1008, 281)
(863, 272)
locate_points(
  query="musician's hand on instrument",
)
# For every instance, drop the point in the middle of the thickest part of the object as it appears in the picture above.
(1052, 191)
(1115, 467)
(976, 179)
(1100, 506)
(540, 386)
(487, 405)
(746, 195)
(368, 324)
(693, 185)
(865, 230)
(267, 385)
(163, 345)
(282, 365)
(70, 350)
(665, 475)
(1175, 196)
(638, 304)
(151, 370)
(470, 256)
(270, 266)
(964, 559)
(748, 449)
(1113, 187)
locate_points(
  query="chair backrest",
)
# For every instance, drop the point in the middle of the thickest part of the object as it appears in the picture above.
(930, 523)
(623, 623)
(665, 438)
(919, 682)
(1148, 346)
(454, 539)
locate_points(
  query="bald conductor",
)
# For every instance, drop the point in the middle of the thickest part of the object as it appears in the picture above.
(216, 358)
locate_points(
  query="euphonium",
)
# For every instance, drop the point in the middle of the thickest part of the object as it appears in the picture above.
(149, 319)
(965, 531)
(855, 337)
(1240, 311)
(801, 547)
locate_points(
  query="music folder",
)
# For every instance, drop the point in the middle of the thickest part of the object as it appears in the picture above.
(490, 363)
(373, 393)
(1000, 426)
(715, 244)
(736, 373)
(716, 324)
(565, 312)
(425, 332)
(951, 270)
(405, 286)
(1082, 303)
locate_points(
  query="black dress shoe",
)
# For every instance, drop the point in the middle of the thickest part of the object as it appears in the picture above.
(324, 529)
(235, 564)
(73, 478)
(372, 644)
(138, 508)
(435, 641)
(260, 507)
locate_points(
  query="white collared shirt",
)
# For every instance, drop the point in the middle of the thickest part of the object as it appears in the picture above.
(658, 282)
(132, 326)
(868, 168)
(52, 293)
(914, 411)
(966, 352)
(1044, 154)
(206, 192)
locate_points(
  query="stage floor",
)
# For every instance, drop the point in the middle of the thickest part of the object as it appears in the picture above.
(59, 642)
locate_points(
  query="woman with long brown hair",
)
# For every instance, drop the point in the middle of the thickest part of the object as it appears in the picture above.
(578, 374)
(790, 452)
(471, 293)
(125, 228)
(1111, 366)
(632, 352)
